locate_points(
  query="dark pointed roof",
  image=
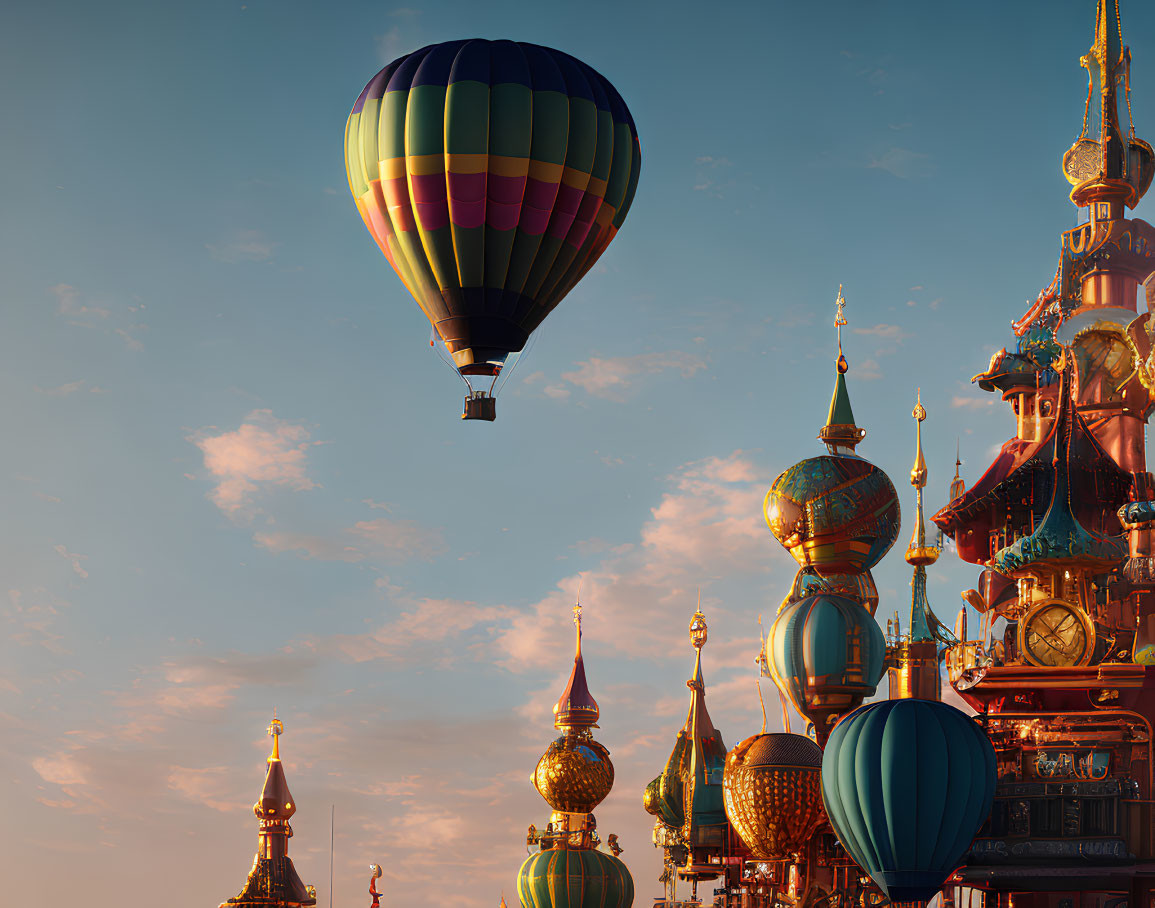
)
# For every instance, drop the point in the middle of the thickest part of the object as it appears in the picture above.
(1060, 535)
(275, 802)
(576, 707)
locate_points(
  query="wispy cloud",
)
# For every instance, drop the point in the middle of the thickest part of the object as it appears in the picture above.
(382, 539)
(903, 163)
(264, 452)
(243, 246)
(615, 378)
(69, 388)
(73, 559)
(78, 311)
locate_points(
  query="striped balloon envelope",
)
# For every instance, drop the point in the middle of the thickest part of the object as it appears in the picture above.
(492, 174)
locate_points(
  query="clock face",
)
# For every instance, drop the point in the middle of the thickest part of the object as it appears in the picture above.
(1056, 633)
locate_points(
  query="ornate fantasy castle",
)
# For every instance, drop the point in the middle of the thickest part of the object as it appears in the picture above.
(1044, 798)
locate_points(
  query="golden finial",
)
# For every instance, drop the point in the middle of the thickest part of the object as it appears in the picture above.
(839, 321)
(698, 627)
(276, 729)
(918, 472)
(918, 552)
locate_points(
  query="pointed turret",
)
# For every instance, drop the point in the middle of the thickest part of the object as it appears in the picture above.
(840, 434)
(574, 775)
(1108, 164)
(957, 486)
(912, 659)
(273, 881)
(576, 707)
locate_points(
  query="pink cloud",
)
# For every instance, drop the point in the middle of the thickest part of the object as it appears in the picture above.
(613, 378)
(264, 452)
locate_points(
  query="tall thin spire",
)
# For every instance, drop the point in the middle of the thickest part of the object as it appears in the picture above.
(576, 707)
(840, 434)
(957, 486)
(918, 553)
(1108, 163)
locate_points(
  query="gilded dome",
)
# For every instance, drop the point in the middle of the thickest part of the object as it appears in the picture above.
(772, 790)
(575, 774)
(835, 513)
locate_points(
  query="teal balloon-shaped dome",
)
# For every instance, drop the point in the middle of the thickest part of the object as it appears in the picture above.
(577, 878)
(907, 784)
(827, 654)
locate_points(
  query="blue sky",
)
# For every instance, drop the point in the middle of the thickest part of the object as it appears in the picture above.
(233, 475)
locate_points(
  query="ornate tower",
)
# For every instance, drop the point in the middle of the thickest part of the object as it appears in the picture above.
(574, 775)
(1056, 669)
(838, 515)
(912, 659)
(273, 881)
(686, 799)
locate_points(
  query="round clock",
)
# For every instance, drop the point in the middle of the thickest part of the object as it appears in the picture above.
(1056, 633)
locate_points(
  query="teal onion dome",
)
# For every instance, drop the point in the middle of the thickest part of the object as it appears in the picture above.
(907, 784)
(827, 654)
(574, 878)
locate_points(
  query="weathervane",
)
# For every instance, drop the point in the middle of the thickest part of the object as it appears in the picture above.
(839, 321)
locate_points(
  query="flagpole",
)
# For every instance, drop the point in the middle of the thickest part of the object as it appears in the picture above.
(332, 825)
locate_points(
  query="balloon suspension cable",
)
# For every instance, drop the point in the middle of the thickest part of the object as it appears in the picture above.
(785, 712)
(760, 661)
(439, 348)
(506, 373)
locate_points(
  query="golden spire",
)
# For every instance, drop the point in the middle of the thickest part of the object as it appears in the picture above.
(1114, 166)
(839, 321)
(918, 552)
(276, 729)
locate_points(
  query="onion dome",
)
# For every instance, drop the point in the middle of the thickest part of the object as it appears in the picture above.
(859, 587)
(574, 878)
(906, 784)
(773, 793)
(836, 513)
(688, 793)
(575, 774)
(827, 654)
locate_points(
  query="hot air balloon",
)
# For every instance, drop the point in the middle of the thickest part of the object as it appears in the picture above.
(906, 784)
(492, 175)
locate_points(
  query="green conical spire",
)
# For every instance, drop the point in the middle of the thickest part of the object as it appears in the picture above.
(840, 434)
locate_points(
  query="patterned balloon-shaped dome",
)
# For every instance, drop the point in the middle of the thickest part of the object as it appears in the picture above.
(836, 513)
(772, 790)
(827, 654)
(574, 878)
(575, 774)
